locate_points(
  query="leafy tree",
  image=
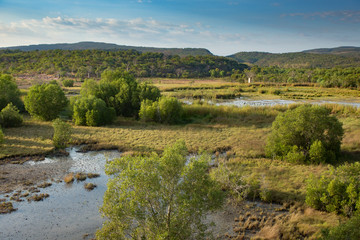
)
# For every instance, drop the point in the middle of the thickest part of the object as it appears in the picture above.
(347, 231)
(9, 92)
(10, 116)
(165, 110)
(1, 136)
(307, 130)
(45, 101)
(92, 111)
(62, 133)
(68, 82)
(337, 190)
(159, 197)
(147, 91)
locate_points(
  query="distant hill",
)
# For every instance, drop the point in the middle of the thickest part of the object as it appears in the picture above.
(182, 52)
(346, 51)
(316, 58)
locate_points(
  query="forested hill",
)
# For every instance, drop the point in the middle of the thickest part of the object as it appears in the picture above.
(345, 51)
(182, 52)
(91, 63)
(317, 58)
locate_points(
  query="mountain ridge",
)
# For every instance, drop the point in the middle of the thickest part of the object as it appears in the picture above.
(88, 45)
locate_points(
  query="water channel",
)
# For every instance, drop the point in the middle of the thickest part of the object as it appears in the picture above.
(70, 212)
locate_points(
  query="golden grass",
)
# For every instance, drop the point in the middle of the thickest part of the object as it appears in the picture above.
(69, 178)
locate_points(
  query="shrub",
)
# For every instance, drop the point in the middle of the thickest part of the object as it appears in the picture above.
(316, 134)
(62, 133)
(147, 91)
(68, 83)
(159, 197)
(1, 136)
(338, 190)
(45, 101)
(10, 116)
(92, 111)
(348, 230)
(9, 92)
(166, 110)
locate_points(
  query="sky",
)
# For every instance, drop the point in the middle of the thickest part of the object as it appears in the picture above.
(222, 26)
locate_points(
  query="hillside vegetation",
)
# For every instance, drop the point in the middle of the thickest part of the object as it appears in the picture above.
(309, 59)
(110, 46)
(91, 63)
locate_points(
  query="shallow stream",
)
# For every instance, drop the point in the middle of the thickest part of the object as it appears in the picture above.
(70, 212)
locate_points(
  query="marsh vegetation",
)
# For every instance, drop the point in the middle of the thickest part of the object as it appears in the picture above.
(147, 118)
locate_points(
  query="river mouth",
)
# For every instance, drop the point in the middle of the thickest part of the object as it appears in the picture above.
(70, 211)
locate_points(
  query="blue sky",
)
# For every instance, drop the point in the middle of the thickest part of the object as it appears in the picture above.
(224, 27)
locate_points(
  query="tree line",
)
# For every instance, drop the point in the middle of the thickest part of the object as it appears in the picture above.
(332, 77)
(83, 64)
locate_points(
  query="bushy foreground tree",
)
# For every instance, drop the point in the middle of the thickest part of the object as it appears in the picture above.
(9, 92)
(159, 197)
(306, 134)
(10, 116)
(92, 111)
(45, 101)
(338, 190)
(347, 231)
(62, 133)
(165, 110)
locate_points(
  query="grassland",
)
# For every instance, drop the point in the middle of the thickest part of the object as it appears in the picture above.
(238, 134)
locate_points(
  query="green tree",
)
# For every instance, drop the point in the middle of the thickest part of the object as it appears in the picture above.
(1, 136)
(148, 91)
(10, 116)
(307, 130)
(159, 197)
(62, 133)
(165, 110)
(92, 111)
(347, 231)
(45, 101)
(9, 92)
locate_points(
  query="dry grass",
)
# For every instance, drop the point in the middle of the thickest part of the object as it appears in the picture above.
(80, 176)
(89, 186)
(69, 178)
(6, 207)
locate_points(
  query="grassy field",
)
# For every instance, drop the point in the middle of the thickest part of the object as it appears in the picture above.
(237, 134)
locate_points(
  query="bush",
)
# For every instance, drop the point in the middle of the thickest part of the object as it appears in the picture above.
(166, 110)
(92, 111)
(338, 190)
(1, 136)
(306, 130)
(68, 83)
(346, 231)
(10, 116)
(159, 197)
(45, 101)
(147, 91)
(9, 92)
(62, 133)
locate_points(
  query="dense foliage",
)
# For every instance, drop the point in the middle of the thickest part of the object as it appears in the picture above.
(332, 77)
(9, 92)
(10, 116)
(91, 63)
(165, 110)
(347, 231)
(338, 190)
(62, 133)
(45, 101)
(92, 111)
(1, 136)
(298, 59)
(159, 197)
(306, 134)
(120, 90)
(68, 82)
